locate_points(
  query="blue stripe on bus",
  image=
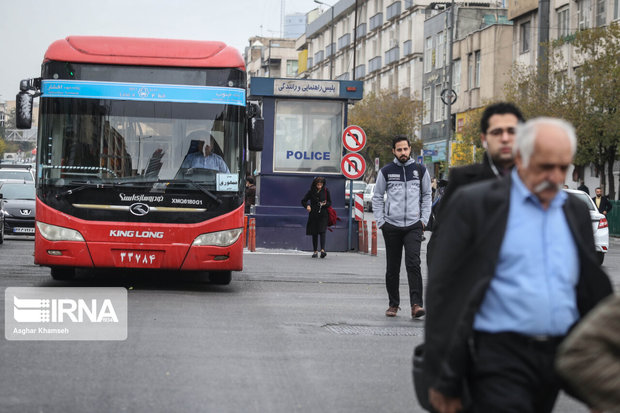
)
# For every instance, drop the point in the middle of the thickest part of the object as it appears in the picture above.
(142, 92)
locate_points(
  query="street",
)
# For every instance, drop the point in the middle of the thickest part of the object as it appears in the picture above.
(290, 333)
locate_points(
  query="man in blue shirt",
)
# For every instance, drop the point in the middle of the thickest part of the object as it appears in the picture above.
(514, 268)
(205, 158)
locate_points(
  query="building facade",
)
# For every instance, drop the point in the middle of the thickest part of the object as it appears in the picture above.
(378, 42)
(478, 68)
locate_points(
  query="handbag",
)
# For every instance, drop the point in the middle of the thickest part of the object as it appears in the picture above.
(420, 383)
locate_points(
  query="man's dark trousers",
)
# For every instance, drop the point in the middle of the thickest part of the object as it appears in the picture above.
(395, 239)
(513, 373)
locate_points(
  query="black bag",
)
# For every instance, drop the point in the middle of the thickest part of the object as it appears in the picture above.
(419, 381)
(421, 385)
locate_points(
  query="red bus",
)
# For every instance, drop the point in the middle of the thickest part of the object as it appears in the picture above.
(141, 155)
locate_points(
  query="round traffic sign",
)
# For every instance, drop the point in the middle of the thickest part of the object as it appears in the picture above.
(354, 138)
(353, 165)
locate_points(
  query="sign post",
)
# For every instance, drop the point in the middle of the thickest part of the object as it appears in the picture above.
(353, 165)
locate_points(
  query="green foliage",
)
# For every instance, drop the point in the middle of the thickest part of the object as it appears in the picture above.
(383, 116)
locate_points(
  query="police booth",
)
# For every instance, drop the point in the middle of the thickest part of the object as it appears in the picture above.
(304, 122)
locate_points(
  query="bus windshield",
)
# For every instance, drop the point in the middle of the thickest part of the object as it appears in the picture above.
(124, 141)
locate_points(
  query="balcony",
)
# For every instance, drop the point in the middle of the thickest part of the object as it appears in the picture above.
(376, 21)
(409, 4)
(407, 48)
(374, 64)
(360, 71)
(392, 55)
(309, 62)
(393, 10)
(319, 57)
(360, 31)
(329, 50)
(344, 76)
(344, 41)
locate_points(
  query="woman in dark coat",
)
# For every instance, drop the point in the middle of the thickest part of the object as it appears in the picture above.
(319, 199)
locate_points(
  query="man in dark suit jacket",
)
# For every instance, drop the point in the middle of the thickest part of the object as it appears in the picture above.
(497, 131)
(505, 292)
(602, 202)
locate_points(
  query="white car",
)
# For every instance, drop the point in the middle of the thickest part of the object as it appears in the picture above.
(16, 173)
(599, 224)
(368, 193)
(358, 188)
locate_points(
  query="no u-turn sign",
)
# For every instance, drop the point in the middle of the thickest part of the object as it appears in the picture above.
(353, 165)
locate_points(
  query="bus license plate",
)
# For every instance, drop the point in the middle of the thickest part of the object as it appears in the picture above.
(24, 230)
(137, 258)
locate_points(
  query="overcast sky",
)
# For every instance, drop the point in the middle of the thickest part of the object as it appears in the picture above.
(28, 27)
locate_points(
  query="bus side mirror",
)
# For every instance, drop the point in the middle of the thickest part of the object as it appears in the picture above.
(256, 133)
(23, 110)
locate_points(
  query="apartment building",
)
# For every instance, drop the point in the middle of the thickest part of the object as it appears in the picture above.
(271, 57)
(378, 42)
(481, 61)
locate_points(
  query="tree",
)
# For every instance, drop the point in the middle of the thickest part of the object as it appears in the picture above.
(589, 100)
(384, 115)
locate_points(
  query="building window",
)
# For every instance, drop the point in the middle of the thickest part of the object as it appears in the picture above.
(291, 68)
(563, 22)
(616, 9)
(583, 14)
(456, 75)
(439, 50)
(428, 52)
(525, 37)
(477, 68)
(427, 105)
(439, 106)
(601, 15)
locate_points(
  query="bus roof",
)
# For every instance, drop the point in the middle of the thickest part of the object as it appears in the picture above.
(144, 51)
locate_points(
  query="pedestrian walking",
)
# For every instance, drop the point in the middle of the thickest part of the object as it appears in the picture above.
(316, 201)
(518, 270)
(589, 358)
(602, 202)
(498, 125)
(402, 217)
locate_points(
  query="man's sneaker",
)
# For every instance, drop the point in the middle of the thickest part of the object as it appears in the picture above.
(391, 312)
(417, 311)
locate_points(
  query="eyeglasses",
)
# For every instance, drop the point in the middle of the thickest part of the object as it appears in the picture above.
(501, 131)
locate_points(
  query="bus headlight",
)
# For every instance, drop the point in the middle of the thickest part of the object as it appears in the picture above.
(54, 233)
(219, 239)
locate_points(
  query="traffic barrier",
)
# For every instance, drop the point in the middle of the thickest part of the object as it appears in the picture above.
(245, 231)
(373, 248)
(358, 207)
(252, 235)
(360, 236)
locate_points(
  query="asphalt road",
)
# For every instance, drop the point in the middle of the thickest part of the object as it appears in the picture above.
(290, 334)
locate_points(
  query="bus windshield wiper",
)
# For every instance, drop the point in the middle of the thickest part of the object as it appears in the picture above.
(83, 185)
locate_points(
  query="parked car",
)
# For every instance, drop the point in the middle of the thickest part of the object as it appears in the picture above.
(358, 188)
(368, 193)
(599, 224)
(16, 173)
(18, 208)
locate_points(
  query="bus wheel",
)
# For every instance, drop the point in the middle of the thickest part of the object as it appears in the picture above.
(601, 257)
(220, 277)
(63, 273)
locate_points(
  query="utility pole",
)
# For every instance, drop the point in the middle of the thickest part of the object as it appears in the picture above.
(448, 95)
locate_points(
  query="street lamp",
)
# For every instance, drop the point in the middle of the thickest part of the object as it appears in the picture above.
(331, 42)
